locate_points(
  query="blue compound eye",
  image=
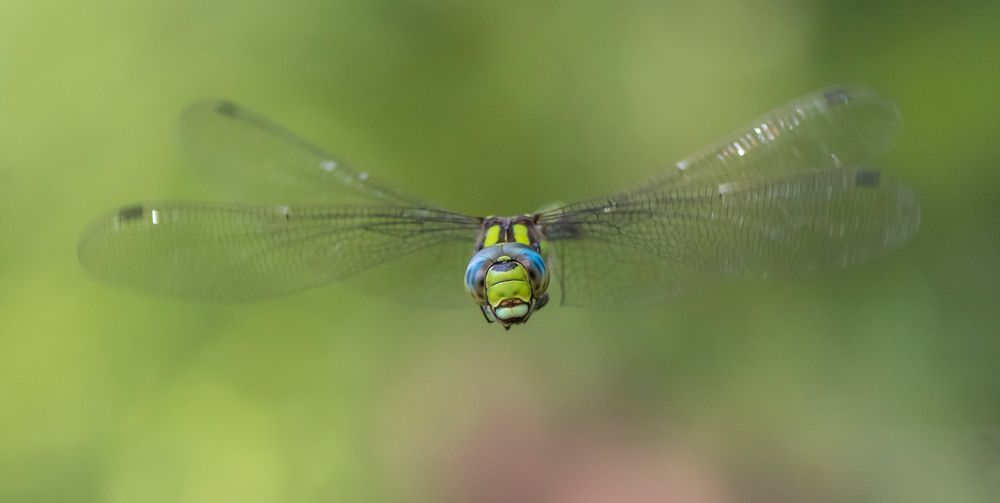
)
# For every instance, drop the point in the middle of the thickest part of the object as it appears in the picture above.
(475, 276)
(538, 273)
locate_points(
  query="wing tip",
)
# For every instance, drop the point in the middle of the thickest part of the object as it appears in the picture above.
(211, 106)
(846, 94)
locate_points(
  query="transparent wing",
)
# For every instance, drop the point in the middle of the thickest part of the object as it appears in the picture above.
(785, 195)
(233, 252)
(588, 272)
(835, 128)
(799, 223)
(256, 160)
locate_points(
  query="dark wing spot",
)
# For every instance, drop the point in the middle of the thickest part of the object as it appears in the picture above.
(836, 96)
(226, 108)
(867, 178)
(130, 213)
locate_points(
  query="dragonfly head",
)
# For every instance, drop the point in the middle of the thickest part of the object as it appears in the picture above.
(508, 281)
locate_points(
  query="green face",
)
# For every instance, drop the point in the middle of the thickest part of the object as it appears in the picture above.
(508, 289)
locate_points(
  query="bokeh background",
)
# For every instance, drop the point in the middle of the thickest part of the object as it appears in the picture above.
(880, 383)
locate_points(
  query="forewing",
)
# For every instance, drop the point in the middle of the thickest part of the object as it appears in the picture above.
(255, 160)
(839, 127)
(232, 252)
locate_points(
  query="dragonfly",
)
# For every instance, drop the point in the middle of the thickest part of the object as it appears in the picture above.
(791, 193)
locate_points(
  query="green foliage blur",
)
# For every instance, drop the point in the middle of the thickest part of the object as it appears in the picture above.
(880, 383)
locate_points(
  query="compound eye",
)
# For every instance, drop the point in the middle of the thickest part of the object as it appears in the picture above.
(475, 277)
(538, 273)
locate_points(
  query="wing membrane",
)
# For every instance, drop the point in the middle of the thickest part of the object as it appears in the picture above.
(801, 223)
(233, 252)
(259, 161)
(835, 128)
(589, 272)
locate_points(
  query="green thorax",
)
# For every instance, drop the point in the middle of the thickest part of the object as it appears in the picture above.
(520, 229)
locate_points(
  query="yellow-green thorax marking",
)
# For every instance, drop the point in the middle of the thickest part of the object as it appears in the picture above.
(497, 230)
(507, 275)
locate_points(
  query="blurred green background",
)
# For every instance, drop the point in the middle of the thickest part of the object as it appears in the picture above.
(880, 383)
